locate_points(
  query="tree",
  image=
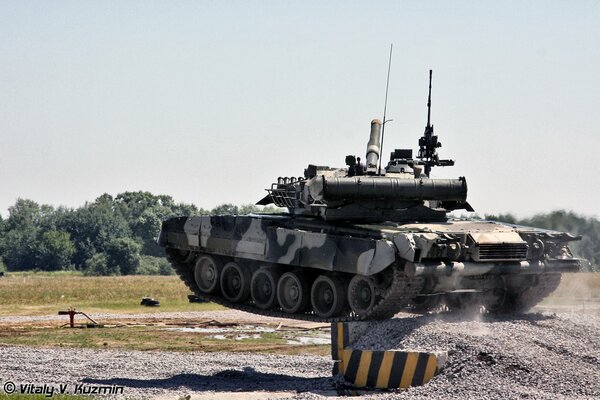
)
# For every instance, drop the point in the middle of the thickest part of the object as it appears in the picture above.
(98, 265)
(123, 254)
(155, 266)
(92, 227)
(146, 228)
(18, 249)
(244, 209)
(225, 209)
(511, 219)
(186, 210)
(19, 240)
(24, 214)
(54, 251)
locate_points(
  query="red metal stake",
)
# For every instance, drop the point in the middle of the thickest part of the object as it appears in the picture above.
(71, 312)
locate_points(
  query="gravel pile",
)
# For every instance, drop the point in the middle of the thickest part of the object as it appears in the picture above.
(538, 356)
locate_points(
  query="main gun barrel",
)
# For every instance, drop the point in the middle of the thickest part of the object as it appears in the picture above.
(374, 147)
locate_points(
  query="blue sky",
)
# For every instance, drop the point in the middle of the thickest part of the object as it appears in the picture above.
(211, 101)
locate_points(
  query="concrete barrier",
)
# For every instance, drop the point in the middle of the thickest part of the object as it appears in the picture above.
(382, 369)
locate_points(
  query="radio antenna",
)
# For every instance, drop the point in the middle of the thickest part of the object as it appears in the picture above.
(387, 84)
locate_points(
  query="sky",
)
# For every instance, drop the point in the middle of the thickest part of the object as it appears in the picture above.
(211, 101)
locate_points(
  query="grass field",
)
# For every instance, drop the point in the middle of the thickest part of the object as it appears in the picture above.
(42, 294)
(45, 294)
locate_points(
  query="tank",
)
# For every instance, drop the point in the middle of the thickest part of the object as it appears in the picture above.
(365, 242)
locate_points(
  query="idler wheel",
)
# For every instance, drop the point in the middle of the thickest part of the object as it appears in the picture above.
(293, 292)
(362, 295)
(328, 296)
(207, 272)
(235, 282)
(263, 288)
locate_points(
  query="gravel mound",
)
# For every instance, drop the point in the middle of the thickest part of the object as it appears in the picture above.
(538, 356)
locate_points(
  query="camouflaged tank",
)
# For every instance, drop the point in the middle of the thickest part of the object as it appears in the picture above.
(361, 242)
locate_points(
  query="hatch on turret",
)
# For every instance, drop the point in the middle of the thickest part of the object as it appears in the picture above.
(402, 162)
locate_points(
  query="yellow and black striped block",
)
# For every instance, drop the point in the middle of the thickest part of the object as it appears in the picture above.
(390, 369)
(339, 340)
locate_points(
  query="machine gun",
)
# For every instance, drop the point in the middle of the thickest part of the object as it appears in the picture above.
(428, 143)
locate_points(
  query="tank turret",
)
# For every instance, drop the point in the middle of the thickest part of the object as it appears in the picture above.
(363, 193)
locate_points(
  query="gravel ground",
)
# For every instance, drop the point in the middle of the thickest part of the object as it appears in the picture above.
(538, 356)
(166, 374)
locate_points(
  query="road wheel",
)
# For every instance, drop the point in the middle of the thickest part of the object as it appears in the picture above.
(293, 292)
(362, 295)
(328, 296)
(207, 272)
(235, 282)
(263, 288)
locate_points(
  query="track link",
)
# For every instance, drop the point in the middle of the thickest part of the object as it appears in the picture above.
(532, 295)
(395, 297)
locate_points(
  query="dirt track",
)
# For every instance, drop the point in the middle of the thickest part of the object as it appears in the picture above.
(534, 355)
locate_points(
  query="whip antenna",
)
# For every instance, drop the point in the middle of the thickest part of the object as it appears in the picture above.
(387, 84)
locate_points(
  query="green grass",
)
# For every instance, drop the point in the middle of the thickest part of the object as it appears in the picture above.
(28, 293)
(44, 293)
(47, 293)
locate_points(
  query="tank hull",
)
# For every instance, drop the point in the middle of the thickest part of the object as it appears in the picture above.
(307, 268)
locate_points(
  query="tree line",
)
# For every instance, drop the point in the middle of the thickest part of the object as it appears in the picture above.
(109, 236)
(116, 235)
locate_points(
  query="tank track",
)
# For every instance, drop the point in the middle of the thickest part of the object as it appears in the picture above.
(395, 298)
(532, 295)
